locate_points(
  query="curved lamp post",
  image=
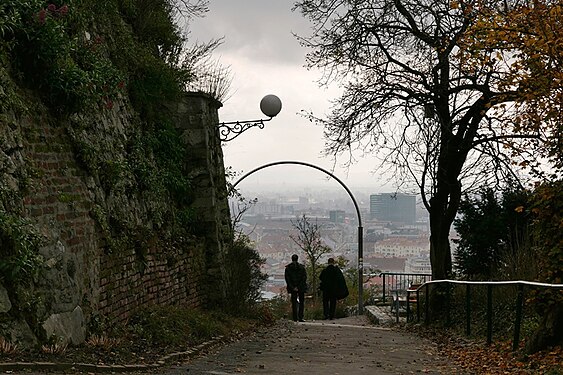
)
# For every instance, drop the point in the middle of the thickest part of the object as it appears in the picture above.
(270, 105)
(360, 228)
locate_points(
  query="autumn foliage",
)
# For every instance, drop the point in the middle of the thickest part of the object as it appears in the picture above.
(527, 39)
(548, 211)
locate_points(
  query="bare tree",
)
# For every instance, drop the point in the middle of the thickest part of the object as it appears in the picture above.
(308, 238)
(191, 8)
(209, 75)
(242, 206)
(417, 98)
(242, 259)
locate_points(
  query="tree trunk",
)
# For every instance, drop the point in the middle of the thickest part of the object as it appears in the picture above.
(443, 207)
(440, 252)
(550, 331)
(442, 211)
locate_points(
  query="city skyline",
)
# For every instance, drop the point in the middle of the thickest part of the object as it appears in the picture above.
(387, 246)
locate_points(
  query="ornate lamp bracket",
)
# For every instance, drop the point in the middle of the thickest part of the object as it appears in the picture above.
(270, 106)
(230, 130)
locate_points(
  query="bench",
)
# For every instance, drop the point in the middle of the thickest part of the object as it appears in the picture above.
(399, 301)
(412, 295)
(403, 302)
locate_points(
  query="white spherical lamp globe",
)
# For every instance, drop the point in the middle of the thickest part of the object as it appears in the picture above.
(270, 105)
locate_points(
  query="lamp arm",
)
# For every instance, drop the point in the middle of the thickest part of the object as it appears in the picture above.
(230, 130)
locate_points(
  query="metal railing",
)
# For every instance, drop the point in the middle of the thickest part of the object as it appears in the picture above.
(399, 282)
(519, 305)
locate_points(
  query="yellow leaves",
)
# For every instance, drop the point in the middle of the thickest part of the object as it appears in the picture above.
(524, 163)
(519, 209)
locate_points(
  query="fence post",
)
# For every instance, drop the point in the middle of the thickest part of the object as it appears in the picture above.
(418, 307)
(468, 309)
(448, 303)
(383, 288)
(398, 304)
(408, 305)
(427, 308)
(519, 305)
(489, 314)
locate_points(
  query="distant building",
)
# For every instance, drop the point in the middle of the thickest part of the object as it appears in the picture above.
(385, 264)
(393, 207)
(400, 247)
(418, 265)
(337, 216)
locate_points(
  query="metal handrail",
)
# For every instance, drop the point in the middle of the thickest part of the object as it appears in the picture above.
(509, 282)
(490, 284)
(402, 275)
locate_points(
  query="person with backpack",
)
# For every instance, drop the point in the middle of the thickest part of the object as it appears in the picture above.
(333, 286)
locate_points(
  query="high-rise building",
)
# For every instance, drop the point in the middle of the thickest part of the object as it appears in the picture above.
(337, 216)
(393, 207)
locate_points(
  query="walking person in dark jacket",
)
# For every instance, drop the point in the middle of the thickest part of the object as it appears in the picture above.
(296, 280)
(333, 286)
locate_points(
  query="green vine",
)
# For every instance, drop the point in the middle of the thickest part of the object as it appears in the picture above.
(83, 57)
(19, 244)
(56, 55)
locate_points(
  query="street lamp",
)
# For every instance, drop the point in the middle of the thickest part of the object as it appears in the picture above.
(360, 227)
(270, 105)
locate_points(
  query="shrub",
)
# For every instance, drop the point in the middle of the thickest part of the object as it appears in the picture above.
(180, 326)
(493, 235)
(244, 275)
(51, 50)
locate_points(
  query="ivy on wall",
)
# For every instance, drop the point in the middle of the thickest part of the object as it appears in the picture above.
(83, 57)
(19, 261)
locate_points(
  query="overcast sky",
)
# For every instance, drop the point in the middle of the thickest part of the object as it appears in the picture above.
(265, 58)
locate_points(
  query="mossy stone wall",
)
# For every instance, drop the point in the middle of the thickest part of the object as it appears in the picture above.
(44, 182)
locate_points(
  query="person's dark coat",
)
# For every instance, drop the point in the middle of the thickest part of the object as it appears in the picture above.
(333, 283)
(296, 276)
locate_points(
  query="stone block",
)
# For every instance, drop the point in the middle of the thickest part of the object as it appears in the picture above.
(67, 326)
(5, 304)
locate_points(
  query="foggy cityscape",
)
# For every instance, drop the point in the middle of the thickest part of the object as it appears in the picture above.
(395, 229)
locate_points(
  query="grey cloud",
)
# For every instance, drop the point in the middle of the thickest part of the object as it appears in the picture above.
(258, 29)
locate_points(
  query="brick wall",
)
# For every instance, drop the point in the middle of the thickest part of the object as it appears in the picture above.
(162, 279)
(78, 270)
(58, 203)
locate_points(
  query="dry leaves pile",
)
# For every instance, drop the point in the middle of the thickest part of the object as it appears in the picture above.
(476, 357)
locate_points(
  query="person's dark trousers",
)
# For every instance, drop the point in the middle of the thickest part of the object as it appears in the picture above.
(329, 306)
(297, 308)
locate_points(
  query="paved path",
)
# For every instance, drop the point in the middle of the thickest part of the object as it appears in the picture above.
(344, 346)
(348, 346)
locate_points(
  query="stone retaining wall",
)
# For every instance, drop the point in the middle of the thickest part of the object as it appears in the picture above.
(80, 276)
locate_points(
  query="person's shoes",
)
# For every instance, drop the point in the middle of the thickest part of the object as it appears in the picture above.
(301, 320)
